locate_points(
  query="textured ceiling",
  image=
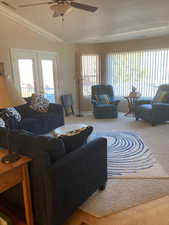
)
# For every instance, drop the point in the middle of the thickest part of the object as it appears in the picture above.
(115, 20)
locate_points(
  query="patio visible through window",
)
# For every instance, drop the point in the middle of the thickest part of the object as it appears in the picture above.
(146, 70)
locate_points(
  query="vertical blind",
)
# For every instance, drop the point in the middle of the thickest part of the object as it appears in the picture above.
(90, 66)
(145, 70)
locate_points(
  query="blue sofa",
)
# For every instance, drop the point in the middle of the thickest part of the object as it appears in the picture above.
(149, 109)
(38, 122)
(60, 181)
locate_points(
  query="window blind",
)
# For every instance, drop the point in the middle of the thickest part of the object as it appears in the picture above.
(90, 66)
(146, 70)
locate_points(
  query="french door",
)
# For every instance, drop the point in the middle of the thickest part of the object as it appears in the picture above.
(35, 72)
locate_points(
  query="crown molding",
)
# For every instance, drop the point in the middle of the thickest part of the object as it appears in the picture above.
(26, 23)
(124, 36)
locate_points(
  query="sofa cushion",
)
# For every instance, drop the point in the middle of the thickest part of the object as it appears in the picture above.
(76, 139)
(31, 124)
(40, 122)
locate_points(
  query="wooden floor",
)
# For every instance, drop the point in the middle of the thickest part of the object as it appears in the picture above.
(155, 212)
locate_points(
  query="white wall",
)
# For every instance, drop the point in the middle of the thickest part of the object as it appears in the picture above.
(13, 35)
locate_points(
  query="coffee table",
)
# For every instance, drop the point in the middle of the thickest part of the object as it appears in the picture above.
(67, 128)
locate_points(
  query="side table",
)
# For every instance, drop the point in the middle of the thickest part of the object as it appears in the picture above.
(13, 174)
(131, 104)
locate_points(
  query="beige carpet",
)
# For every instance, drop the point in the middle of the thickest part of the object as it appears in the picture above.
(125, 193)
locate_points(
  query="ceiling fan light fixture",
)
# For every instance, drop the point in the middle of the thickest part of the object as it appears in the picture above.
(60, 9)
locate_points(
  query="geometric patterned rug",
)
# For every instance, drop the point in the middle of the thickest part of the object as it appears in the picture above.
(129, 157)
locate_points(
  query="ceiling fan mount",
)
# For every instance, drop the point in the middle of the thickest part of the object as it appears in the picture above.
(62, 7)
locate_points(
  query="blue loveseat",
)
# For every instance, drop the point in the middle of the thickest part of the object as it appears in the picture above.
(38, 122)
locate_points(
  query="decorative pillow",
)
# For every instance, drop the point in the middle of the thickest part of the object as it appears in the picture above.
(38, 103)
(76, 138)
(103, 99)
(14, 113)
(2, 123)
(162, 96)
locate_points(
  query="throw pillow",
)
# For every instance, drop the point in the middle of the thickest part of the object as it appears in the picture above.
(2, 123)
(76, 138)
(103, 99)
(162, 96)
(14, 113)
(38, 103)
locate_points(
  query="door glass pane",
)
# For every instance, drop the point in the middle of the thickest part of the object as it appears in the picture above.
(48, 81)
(26, 77)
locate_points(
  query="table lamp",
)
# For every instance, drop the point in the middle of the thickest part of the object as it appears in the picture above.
(9, 97)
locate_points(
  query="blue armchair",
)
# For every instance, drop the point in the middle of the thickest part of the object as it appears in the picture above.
(104, 110)
(152, 109)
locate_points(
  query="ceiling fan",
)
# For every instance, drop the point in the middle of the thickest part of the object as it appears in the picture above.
(62, 7)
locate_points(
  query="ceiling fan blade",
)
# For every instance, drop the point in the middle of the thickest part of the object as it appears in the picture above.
(8, 5)
(36, 4)
(83, 6)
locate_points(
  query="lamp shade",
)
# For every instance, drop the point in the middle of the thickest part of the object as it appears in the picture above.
(9, 96)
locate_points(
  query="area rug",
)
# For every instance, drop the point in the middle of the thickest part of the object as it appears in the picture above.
(129, 157)
(121, 194)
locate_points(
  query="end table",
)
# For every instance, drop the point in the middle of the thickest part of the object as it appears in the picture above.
(14, 173)
(131, 104)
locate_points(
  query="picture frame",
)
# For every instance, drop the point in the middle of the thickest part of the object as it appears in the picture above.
(2, 69)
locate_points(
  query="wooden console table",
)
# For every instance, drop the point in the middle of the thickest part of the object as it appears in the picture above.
(13, 174)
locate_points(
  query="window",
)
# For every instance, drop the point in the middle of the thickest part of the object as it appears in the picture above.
(90, 73)
(48, 79)
(146, 70)
(35, 72)
(26, 73)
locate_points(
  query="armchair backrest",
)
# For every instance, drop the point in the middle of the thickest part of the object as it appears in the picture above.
(162, 88)
(102, 90)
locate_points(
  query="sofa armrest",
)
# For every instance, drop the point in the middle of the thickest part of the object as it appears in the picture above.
(56, 108)
(115, 100)
(21, 109)
(74, 178)
(143, 100)
(160, 106)
(12, 123)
